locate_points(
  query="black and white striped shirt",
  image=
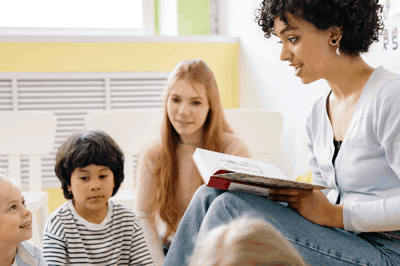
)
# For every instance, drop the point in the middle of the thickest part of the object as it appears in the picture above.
(117, 240)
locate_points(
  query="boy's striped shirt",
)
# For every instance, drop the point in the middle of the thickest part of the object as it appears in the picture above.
(117, 240)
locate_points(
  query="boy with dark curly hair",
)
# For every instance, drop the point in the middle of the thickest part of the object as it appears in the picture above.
(353, 137)
(90, 228)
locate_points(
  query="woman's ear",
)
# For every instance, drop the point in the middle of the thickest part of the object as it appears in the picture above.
(335, 35)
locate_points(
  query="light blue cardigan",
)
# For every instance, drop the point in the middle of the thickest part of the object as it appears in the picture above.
(367, 168)
(28, 255)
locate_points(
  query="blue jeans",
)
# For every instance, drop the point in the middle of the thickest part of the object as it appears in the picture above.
(317, 244)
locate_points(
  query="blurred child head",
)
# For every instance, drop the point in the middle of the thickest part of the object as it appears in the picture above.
(246, 241)
(90, 166)
(15, 218)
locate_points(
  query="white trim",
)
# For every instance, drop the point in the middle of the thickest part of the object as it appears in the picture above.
(214, 13)
(148, 17)
(148, 29)
(168, 17)
(122, 39)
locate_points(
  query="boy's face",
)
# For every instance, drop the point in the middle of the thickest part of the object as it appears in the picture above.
(15, 218)
(91, 187)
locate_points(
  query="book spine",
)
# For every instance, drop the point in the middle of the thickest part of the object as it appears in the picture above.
(219, 183)
(225, 184)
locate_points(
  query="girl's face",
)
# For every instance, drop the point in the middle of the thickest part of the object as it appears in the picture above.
(306, 48)
(15, 218)
(187, 108)
(91, 187)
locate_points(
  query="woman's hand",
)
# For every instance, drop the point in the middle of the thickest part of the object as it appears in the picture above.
(311, 204)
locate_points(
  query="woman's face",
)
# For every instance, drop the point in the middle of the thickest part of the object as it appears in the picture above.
(187, 108)
(306, 48)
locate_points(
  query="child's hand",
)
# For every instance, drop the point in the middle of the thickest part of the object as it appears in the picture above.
(311, 204)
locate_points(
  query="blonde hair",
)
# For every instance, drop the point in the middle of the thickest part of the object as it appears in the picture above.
(246, 241)
(166, 171)
(4, 176)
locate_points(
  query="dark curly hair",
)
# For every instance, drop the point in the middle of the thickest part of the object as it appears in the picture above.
(360, 20)
(85, 148)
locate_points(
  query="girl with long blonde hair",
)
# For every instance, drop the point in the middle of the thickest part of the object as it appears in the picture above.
(166, 175)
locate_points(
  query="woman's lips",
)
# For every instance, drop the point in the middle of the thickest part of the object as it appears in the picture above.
(184, 122)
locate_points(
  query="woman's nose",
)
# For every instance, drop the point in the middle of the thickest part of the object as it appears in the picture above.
(184, 109)
(285, 53)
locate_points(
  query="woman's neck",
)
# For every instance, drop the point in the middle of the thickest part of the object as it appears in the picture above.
(7, 254)
(194, 139)
(348, 77)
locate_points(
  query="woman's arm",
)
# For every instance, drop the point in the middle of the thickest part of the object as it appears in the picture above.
(312, 205)
(143, 207)
(382, 214)
(140, 253)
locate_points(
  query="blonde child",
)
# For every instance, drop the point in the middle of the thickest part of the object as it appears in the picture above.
(91, 229)
(244, 242)
(16, 227)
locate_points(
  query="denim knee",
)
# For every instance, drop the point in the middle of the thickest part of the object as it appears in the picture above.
(226, 206)
(206, 195)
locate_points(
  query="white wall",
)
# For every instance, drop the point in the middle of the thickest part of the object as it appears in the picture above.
(268, 83)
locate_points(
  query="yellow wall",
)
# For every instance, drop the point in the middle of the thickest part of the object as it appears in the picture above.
(55, 197)
(121, 57)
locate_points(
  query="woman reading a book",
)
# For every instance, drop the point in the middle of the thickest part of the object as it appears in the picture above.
(166, 175)
(353, 137)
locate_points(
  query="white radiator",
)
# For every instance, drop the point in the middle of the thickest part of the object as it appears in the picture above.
(70, 96)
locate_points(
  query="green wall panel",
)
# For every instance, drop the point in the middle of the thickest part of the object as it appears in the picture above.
(194, 17)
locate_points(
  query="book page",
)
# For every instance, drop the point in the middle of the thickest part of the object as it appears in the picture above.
(215, 161)
(249, 189)
(269, 182)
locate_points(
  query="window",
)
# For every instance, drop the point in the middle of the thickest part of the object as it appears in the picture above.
(77, 17)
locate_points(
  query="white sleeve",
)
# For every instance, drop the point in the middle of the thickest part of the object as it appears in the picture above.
(382, 214)
(317, 176)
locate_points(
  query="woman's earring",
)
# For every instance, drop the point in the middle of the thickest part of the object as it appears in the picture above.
(333, 42)
(338, 50)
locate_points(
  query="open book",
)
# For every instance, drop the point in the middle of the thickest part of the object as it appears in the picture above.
(231, 172)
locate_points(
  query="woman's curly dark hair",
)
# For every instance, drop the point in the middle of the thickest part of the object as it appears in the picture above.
(360, 20)
(85, 148)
